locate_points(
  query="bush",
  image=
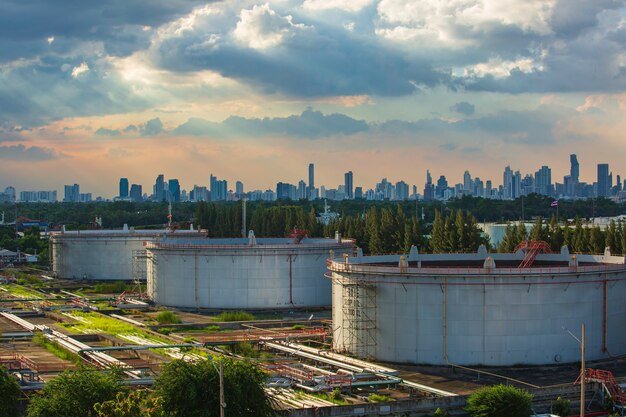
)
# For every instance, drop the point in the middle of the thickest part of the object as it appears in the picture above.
(561, 407)
(376, 398)
(234, 316)
(336, 395)
(167, 317)
(498, 401)
(10, 394)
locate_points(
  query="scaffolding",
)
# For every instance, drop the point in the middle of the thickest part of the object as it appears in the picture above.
(140, 273)
(359, 318)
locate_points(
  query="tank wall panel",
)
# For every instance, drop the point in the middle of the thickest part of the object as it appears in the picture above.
(246, 278)
(495, 324)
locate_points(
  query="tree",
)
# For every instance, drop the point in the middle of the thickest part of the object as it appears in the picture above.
(192, 390)
(125, 404)
(74, 393)
(499, 401)
(10, 394)
(438, 236)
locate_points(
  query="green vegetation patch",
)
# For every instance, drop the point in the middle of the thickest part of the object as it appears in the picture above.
(234, 316)
(168, 317)
(21, 292)
(89, 322)
(109, 288)
(56, 349)
(331, 397)
(377, 398)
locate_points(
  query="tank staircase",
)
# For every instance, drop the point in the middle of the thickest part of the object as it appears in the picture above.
(609, 385)
(532, 248)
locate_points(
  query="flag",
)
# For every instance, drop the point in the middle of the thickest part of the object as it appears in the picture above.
(555, 203)
(169, 216)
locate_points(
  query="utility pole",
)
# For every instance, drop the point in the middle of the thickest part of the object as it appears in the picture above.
(582, 372)
(223, 403)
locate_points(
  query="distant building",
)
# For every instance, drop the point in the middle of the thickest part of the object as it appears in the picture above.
(136, 192)
(604, 184)
(158, 190)
(123, 188)
(312, 181)
(173, 187)
(38, 196)
(349, 185)
(72, 194)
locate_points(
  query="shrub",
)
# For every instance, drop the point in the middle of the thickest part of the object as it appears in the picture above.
(561, 407)
(498, 401)
(167, 317)
(234, 316)
(10, 394)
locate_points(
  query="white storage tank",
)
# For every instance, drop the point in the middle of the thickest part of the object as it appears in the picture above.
(478, 309)
(104, 254)
(242, 273)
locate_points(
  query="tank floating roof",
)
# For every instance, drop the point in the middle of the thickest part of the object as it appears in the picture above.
(131, 231)
(204, 242)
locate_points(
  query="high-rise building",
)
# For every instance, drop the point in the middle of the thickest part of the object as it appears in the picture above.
(402, 190)
(358, 193)
(72, 194)
(543, 181)
(302, 190)
(507, 183)
(311, 181)
(158, 190)
(603, 180)
(349, 185)
(136, 193)
(574, 170)
(123, 188)
(239, 189)
(468, 185)
(173, 188)
(429, 188)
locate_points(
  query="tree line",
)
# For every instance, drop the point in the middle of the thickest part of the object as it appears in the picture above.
(575, 235)
(182, 389)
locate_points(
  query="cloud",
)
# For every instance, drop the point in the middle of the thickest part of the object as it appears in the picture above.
(346, 5)
(103, 131)
(23, 153)
(279, 53)
(152, 127)
(463, 107)
(81, 69)
(261, 27)
(310, 124)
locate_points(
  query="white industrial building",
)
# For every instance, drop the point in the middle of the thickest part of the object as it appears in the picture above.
(242, 273)
(105, 254)
(479, 308)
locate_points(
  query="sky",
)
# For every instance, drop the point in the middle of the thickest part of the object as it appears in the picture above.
(255, 91)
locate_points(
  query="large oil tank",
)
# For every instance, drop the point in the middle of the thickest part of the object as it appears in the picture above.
(479, 308)
(105, 254)
(250, 273)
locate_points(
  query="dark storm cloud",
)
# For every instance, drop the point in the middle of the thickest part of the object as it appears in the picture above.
(26, 25)
(463, 107)
(311, 61)
(46, 90)
(23, 153)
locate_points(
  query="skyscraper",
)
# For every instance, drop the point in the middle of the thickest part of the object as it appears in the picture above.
(123, 187)
(311, 180)
(574, 170)
(72, 194)
(543, 181)
(158, 190)
(603, 180)
(136, 192)
(239, 189)
(468, 185)
(173, 191)
(349, 185)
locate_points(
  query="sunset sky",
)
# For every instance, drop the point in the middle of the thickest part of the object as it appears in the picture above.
(254, 91)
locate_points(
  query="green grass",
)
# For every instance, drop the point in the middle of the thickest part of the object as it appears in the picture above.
(98, 323)
(324, 396)
(56, 349)
(167, 317)
(234, 316)
(108, 288)
(21, 292)
(376, 398)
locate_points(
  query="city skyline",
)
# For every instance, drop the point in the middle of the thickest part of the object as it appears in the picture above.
(256, 90)
(513, 185)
